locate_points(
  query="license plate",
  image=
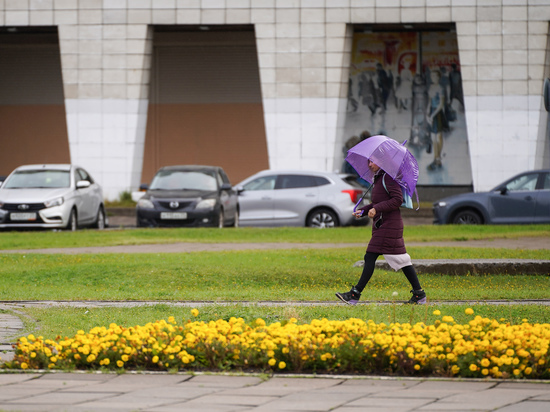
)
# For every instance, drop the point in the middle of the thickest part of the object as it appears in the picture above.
(173, 215)
(23, 216)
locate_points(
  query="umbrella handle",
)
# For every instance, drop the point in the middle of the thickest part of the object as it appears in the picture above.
(362, 197)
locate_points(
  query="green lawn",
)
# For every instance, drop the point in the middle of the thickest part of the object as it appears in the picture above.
(281, 275)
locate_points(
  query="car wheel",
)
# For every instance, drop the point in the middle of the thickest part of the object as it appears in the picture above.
(322, 218)
(72, 224)
(100, 220)
(467, 217)
(221, 222)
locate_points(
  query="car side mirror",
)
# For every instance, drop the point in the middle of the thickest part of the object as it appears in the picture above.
(239, 189)
(82, 184)
(143, 187)
(503, 190)
(226, 186)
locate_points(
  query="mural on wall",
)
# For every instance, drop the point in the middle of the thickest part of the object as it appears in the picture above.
(407, 85)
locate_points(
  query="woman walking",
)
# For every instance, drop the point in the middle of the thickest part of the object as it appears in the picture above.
(387, 237)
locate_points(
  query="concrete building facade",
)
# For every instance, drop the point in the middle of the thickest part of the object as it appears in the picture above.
(303, 55)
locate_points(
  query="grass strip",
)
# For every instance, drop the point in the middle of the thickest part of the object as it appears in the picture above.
(67, 321)
(292, 275)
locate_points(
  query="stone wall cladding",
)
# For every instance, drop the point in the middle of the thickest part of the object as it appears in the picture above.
(304, 52)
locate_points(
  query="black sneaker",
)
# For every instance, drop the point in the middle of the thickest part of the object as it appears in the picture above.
(418, 297)
(351, 297)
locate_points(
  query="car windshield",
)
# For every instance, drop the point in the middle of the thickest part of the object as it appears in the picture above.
(38, 179)
(184, 180)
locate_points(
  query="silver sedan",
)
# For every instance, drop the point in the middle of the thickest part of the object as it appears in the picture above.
(51, 196)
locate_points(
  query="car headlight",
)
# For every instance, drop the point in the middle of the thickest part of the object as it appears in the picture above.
(58, 201)
(206, 204)
(442, 204)
(145, 204)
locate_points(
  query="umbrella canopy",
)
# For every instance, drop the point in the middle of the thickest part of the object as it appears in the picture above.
(390, 156)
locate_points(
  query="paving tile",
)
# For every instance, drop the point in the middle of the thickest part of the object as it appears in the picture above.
(223, 381)
(9, 378)
(33, 407)
(236, 400)
(61, 398)
(308, 401)
(176, 392)
(200, 408)
(490, 399)
(528, 406)
(389, 402)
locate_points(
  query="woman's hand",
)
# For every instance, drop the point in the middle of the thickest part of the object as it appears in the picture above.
(358, 213)
(372, 213)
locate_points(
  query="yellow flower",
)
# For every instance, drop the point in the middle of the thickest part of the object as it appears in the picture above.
(155, 359)
(272, 362)
(195, 312)
(473, 367)
(417, 367)
(24, 365)
(447, 319)
(485, 363)
(282, 365)
(437, 312)
(485, 371)
(119, 363)
(469, 311)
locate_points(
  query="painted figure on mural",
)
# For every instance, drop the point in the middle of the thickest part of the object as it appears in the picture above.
(420, 133)
(435, 113)
(352, 99)
(404, 89)
(455, 79)
(367, 93)
(383, 84)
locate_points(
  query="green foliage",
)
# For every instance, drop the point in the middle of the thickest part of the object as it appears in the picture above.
(124, 200)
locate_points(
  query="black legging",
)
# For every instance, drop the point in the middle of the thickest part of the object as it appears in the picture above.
(368, 269)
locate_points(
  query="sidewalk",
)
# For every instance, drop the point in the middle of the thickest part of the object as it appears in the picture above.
(217, 393)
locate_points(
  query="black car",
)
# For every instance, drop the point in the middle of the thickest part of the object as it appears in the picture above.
(525, 198)
(189, 196)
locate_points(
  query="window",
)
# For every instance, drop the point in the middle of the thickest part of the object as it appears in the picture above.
(295, 181)
(524, 182)
(546, 181)
(261, 183)
(81, 174)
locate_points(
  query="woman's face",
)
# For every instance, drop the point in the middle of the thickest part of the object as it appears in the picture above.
(374, 167)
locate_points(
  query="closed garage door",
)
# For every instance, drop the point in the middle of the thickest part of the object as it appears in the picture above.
(205, 102)
(32, 111)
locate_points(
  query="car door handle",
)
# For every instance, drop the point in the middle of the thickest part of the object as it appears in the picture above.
(310, 195)
(267, 198)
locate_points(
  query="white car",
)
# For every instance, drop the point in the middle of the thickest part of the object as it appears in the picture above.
(299, 198)
(51, 196)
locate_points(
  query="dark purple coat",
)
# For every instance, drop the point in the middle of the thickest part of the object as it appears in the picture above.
(388, 238)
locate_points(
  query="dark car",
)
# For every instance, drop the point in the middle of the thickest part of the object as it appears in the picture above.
(525, 198)
(189, 196)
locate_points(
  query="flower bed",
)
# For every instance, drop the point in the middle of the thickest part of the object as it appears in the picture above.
(480, 348)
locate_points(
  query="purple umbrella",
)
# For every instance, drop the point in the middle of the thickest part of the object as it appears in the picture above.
(390, 156)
